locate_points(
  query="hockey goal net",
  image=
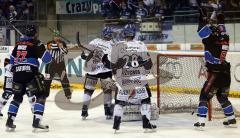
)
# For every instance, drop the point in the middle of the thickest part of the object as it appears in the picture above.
(180, 78)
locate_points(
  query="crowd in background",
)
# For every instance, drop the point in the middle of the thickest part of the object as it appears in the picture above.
(16, 10)
(126, 9)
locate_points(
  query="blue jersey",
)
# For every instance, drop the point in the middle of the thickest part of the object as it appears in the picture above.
(26, 53)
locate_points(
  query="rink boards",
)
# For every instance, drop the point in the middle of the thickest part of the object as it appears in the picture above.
(74, 67)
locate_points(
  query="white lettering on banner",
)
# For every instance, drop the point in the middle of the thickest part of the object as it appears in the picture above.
(78, 7)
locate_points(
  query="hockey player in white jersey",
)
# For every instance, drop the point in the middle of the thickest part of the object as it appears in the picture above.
(95, 70)
(131, 63)
(7, 88)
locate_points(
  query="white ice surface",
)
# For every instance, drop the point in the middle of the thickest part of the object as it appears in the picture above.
(68, 124)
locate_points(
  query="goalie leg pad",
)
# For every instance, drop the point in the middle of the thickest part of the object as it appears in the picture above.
(90, 82)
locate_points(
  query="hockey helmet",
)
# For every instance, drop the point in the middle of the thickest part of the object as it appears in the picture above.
(129, 30)
(107, 32)
(30, 30)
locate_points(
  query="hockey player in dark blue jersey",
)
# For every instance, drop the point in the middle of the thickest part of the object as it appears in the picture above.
(26, 77)
(7, 88)
(216, 45)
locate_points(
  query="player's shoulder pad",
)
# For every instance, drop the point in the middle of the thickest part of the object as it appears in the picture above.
(204, 32)
(139, 42)
(94, 41)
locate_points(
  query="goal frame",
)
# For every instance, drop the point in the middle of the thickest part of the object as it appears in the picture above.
(158, 77)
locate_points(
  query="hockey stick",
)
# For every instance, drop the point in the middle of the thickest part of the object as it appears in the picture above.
(17, 30)
(79, 43)
(64, 38)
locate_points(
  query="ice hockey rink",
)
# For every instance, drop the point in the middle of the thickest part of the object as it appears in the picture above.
(68, 123)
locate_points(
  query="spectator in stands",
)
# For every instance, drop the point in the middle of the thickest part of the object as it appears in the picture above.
(106, 8)
(115, 8)
(111, 8)
(132, 5)
(157, 11)
(125, 12)
(2, 18)
(142, 11)
(235, 4)
(193, 4)
(12, 13)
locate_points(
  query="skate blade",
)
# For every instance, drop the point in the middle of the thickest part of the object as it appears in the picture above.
(8, 129)
(199, 128)
(84, 118)
(231, 126)
(150, 130)
(38, 130)
(116, 131)
(108, 118)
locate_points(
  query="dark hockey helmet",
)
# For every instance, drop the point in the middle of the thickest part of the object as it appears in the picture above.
(30, 30)
(107, 32)
(129, 30)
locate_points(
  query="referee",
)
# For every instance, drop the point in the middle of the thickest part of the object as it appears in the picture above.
(56, 70)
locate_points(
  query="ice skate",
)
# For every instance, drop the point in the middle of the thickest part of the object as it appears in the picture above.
(38, 127)
(230, 123)
(116, 124)
(68, 95)
(10, 127)
(84, 112)
(108, 117)
(147, 126)
(199, 126)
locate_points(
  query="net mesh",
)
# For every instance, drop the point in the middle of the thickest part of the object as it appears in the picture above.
(180, 79)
